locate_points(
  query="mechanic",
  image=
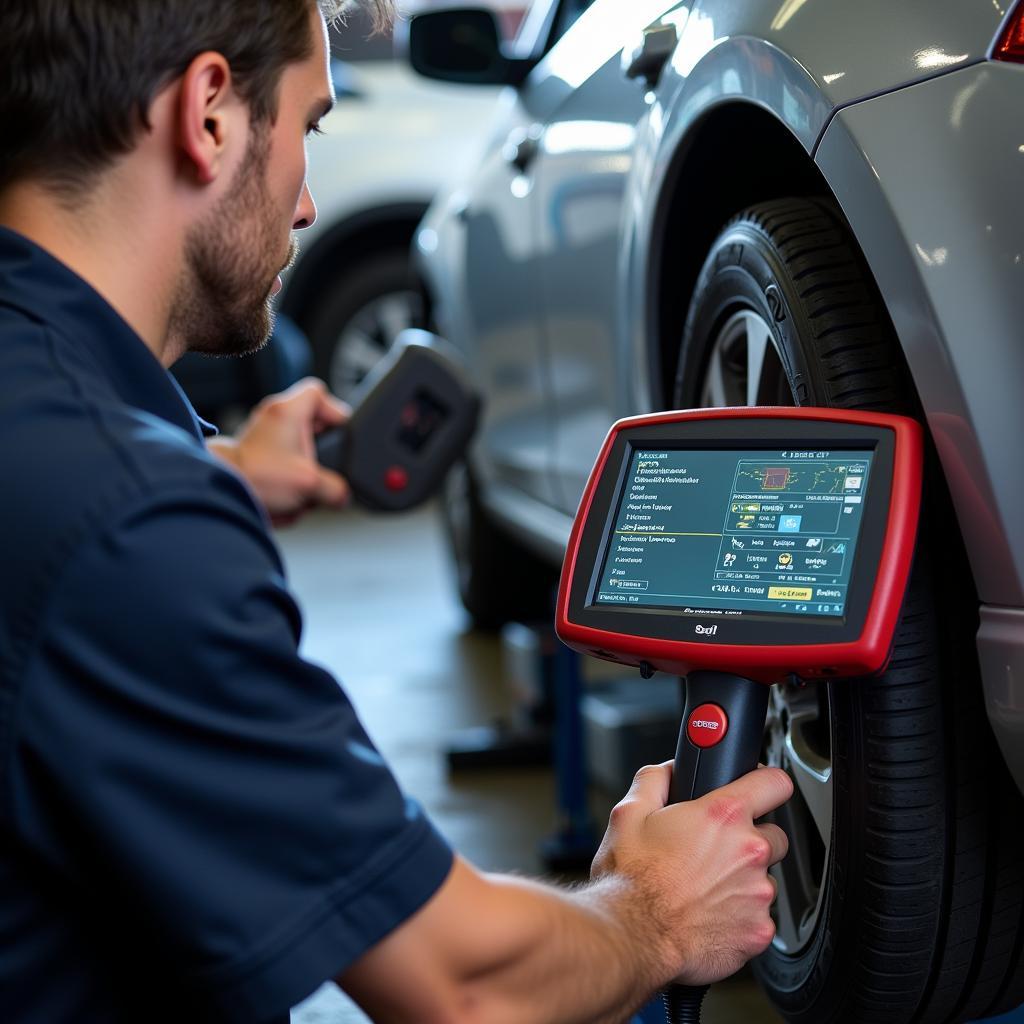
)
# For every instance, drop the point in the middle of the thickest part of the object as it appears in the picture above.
(193, 823)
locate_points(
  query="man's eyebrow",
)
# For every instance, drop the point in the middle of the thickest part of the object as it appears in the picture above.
(321, 108)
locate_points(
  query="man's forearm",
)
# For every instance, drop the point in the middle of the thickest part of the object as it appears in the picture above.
(503, 950)
(583, 954)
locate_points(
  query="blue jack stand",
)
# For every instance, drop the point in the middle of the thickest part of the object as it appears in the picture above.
(572, 846)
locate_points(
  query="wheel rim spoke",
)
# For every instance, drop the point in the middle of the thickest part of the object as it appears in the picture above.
(798, 888)
(787, 928)
(715, 389)
(741, 358)
(812, 775)
(758, 342)
(395, 314)
(357, 354)
(796, 717)
(368, 336)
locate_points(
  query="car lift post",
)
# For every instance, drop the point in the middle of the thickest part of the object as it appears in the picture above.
(573, 845)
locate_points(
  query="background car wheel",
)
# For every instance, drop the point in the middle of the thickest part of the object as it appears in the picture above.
(902, 897)
(356, 320)
(499, 580)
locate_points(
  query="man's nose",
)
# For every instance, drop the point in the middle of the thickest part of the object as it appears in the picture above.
(305, 212)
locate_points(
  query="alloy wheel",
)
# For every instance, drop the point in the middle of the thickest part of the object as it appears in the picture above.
(368, 336)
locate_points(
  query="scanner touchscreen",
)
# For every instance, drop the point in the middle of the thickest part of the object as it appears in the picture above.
(742, 532)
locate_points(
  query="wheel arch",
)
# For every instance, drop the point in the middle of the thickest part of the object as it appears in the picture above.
(345, 244)
(706, 183)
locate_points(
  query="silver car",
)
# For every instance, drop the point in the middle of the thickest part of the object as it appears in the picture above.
(742, 202)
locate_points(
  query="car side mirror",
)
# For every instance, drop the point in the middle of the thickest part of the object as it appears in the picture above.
(462, 45)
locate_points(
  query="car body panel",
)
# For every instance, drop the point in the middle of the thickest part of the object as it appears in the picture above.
(580, 175)
(854, 50)
(949, 260)
(491, 225)
(732, 71)
(495, 228)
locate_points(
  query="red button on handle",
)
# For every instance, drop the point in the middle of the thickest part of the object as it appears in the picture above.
(707, 725)
(396, 479)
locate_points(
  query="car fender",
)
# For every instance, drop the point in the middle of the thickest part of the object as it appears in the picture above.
(728, 71)
(798, 61)
(948, 261)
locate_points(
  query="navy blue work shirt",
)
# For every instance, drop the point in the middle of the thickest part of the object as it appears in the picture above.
(193, 824)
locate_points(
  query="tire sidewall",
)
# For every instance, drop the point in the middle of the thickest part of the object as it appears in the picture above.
(743, 271)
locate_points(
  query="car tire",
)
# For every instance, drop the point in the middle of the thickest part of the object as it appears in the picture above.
(356, 318)
(499, 580)
(918, 914)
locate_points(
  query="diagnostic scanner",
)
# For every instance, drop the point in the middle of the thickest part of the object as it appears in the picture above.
(737, 548)
(412, 417)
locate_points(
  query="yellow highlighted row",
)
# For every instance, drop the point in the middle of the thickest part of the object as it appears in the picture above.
(789, 593)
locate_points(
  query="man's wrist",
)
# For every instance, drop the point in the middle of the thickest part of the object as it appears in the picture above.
(634, 920)
(650, 920)
(226, 449)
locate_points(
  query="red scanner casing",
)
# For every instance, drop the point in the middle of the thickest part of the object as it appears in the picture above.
(868, 654)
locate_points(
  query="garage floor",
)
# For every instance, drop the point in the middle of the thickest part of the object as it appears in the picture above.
(380, 614)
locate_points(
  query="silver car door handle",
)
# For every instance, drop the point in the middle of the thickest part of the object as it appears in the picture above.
(647, 59)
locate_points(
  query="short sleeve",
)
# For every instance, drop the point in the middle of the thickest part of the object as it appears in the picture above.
(179, 760)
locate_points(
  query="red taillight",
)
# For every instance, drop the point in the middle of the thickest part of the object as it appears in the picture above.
(1010, 45)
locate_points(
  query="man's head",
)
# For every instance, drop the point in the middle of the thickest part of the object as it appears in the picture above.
(213, 99)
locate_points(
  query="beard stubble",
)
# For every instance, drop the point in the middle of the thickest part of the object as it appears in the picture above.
(222, 302)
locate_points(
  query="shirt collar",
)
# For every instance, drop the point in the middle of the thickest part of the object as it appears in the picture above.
(33, 281)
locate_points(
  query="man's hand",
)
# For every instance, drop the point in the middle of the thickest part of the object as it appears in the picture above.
(275, 452)
(697, 872)
(679, 892)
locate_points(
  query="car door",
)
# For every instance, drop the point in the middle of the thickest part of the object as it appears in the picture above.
(584, 156)
(498, 308)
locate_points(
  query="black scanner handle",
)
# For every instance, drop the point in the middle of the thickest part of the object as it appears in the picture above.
(330, 448)
(745, 703)
(699, 770)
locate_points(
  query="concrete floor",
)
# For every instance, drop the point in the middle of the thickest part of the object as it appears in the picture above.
(381, 615)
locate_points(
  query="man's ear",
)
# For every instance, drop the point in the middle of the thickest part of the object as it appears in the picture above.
(208, 113)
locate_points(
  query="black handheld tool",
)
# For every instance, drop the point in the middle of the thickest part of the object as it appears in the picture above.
(412, 417)
(738, 548)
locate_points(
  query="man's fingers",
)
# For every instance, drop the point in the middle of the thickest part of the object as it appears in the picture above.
(330, 411)
(777, 839)
(761, 790)
(650, 785)
(332, 489)
(309, 401)
(322, 406)
(306, 392)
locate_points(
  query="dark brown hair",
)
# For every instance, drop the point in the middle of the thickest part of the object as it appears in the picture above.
(77, 77)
